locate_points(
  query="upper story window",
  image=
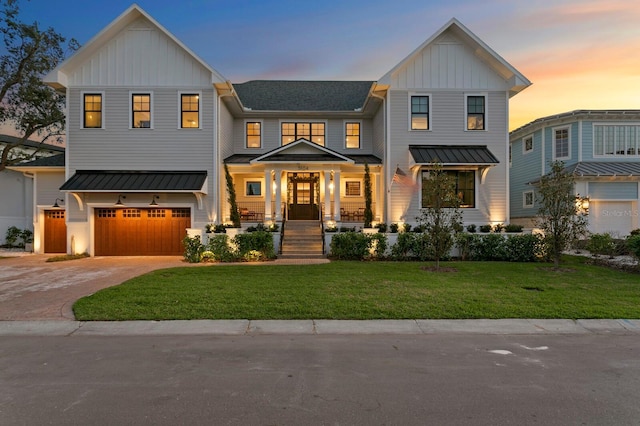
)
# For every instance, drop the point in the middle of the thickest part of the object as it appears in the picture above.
(92, 116)
(527, 144)
(561, 143)
(616, 140)
(254, 134)
(352, 135)
(313, 132)
(140, 110)
(465, 181)
(527, 199)
(189, 110)
(419, 112)
(476, 112)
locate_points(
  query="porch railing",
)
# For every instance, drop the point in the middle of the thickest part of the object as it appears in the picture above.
(251, 211)
(353, 212)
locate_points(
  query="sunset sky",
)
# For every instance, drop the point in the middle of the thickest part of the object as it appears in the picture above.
(579, 54)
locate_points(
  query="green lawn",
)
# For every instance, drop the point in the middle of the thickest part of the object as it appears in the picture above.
(370, 290)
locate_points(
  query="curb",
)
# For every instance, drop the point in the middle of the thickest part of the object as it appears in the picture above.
(318, 327)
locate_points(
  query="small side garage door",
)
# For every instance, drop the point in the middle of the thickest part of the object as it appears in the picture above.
(140, 232)
(55, 232)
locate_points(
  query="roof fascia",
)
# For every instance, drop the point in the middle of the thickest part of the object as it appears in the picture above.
(299, 142)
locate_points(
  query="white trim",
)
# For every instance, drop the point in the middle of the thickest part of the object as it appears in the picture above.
(261, 123)
(190, 92)
(296, 121)
(485, 124)
(103, 98)
(524, 199)
(553, 147)
(140, 92)
(526, 151)
(429, 97)
(344, 133)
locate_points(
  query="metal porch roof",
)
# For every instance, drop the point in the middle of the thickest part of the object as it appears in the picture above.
(129, 181)
(452, 154)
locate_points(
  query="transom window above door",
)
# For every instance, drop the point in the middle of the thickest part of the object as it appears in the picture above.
(292, 131)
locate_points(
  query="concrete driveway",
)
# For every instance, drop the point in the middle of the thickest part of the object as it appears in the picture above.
(33, 289)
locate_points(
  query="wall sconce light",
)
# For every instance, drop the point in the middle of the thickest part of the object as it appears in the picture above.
(153, 200)
(582, 205)
(56, 205)
(119, 202)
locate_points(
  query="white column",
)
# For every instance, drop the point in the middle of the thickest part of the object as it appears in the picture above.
(327, 195)
(268, 190)
(278, 180)
(379, 197)
(336, 195)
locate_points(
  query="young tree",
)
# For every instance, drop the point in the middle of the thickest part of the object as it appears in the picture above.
(368, 212)
(441, 216)
(233, 205)
(559, 215)
(33, 109)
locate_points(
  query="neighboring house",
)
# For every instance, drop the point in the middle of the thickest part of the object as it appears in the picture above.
(16, 187)
(150, 128)
(602, 150)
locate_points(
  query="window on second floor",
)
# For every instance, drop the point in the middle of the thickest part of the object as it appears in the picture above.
(465, 181)
(476, 113)
(313, 132)
(561, 143)
(352, 135)
(616, 140)
(527, 144)
(140, 110)
(527, 199)
(254, 134)
(189, 110)
(419, 112)
(92, 116)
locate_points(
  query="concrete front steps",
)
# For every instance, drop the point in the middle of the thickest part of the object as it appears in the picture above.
(302, 239)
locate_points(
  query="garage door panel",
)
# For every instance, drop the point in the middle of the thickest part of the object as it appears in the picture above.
(55, 231)
(140, 232)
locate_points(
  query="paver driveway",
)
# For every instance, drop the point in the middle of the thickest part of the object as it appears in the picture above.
(33, 289)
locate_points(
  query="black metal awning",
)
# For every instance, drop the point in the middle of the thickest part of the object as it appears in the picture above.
(478, 155)
(135, 181)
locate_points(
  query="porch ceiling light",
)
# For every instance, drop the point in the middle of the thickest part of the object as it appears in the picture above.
(56, 205)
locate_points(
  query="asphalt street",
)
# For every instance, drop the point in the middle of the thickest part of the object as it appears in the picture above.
(284, 379)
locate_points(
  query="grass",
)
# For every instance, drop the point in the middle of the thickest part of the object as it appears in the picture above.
(374, 290)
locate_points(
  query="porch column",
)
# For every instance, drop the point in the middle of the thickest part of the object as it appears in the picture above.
(278, 207)
(327, 195)
(268, 190)
(336, 195)
(379, 197)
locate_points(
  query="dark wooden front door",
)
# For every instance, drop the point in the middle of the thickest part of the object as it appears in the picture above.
(55, 232)
(302, 197)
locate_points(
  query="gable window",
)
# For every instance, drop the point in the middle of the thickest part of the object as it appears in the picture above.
(465, 181)
(313, 132)
(419, 112)
(253, 188)
(561, 143)
(527, 199)
(92, 111)
(616, 140)
(189, 110)
(254, 134)
(140, 110)
(352, 188)
(475, 112)
(352, 135)
(527, 144)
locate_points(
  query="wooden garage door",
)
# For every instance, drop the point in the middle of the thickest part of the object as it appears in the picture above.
(55, 232)
(140, 232)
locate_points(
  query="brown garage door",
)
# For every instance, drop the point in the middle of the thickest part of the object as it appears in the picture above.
(140, 232)
(55, 232)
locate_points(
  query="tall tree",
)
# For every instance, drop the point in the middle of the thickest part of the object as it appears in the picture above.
(441, 216)
(368, 211)
(233, 204)
(560, 216)
(33, 109)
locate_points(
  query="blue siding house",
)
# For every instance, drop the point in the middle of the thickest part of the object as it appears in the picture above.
(600, 147)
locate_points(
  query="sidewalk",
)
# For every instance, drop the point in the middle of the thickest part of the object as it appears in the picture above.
(319, 327)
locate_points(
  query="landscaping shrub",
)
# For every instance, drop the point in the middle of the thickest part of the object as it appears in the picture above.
(485, 228)
(258, 241)
(523, 248)
(382, 227)
(16, 237)
(378, 245)
(498, 227)
(633, 245)
(601, 244)
(464, 242)
(471, 228)
(404, 247)
(350, 246)
(489, 247)
(513, 228)
(393, 228)
(218, 246)
(193, 249)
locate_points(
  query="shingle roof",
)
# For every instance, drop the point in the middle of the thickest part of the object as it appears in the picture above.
(91, 180)
(52, 161)
(280, 95)
(31, 144)
(452, 154)
(601, 168)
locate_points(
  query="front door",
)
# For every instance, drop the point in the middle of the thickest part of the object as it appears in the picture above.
(302, 196)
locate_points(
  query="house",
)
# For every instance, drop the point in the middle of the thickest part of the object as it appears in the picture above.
(151, 129)
(601, 148)
(17, 185)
